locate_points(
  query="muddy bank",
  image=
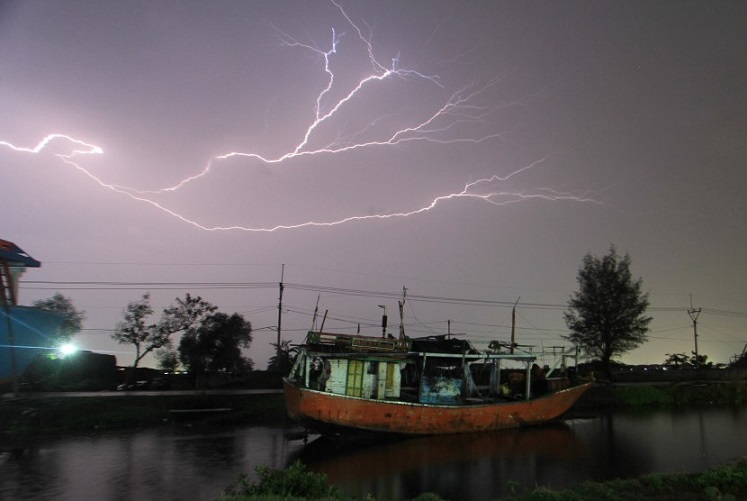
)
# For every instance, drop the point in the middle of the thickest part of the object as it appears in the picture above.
(54, 415)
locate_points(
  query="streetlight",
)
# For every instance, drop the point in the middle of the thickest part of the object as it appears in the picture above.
(383, 321)
(68, 349)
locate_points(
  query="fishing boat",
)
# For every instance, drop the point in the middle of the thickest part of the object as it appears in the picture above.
(351, 385)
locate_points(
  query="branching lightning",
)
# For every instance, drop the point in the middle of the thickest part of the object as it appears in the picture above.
(441, 126)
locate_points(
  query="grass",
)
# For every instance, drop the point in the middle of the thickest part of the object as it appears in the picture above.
(726, 483)
(671, 395)
(681, 394)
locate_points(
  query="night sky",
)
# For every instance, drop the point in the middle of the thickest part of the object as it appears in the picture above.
(470, 151)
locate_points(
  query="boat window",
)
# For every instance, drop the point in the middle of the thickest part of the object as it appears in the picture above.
(444, 367)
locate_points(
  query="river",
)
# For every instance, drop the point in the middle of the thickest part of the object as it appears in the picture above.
(176, 463)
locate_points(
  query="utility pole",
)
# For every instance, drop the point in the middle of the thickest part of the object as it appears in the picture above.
(402, 314)
(513, 324)
(694, 313)
(280, 315)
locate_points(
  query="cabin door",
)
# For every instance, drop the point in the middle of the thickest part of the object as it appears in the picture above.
(354, 386)
(392, 380)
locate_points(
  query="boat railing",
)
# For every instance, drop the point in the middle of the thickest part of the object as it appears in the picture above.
(357, 343)
(559, 355)
(524, 357)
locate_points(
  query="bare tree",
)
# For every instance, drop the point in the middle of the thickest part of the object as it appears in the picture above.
(146, 337)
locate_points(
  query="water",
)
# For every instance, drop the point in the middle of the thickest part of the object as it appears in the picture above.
(176, 463)
(490, 465)
(168, 463)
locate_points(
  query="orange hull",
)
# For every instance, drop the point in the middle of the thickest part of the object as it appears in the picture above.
(320, 410)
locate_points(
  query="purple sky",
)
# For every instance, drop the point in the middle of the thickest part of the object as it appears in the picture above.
(511, 139)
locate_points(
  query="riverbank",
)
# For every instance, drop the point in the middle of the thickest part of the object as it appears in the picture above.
(65, 414)
(136, 462)
(54, 415)
(635, 395)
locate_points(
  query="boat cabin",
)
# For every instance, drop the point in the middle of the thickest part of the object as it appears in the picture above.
(432, 370)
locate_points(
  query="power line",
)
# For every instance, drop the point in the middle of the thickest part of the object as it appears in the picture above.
(126, 285)
(115, 286)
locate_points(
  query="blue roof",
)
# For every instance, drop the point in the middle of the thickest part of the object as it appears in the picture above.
(15, 256)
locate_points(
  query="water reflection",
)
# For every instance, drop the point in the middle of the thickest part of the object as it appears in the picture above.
(629, 444)
(613, 445)
(152, 464)
(480, 465)
(178, 463)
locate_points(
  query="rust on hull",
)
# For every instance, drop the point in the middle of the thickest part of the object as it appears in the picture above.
(319, 409)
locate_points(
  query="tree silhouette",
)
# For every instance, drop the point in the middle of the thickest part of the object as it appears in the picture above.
(168, 359)
(215, 346)
(285, 360)
(677, 360)
(606, 315)
(73, 317)
(135, 330)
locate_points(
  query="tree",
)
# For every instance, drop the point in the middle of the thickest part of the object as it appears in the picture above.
(135, 330)
(215, 346)
(168, 359)
(73, 317)
(677, 360)
(700, 361)
(606, 315)
(285, 360)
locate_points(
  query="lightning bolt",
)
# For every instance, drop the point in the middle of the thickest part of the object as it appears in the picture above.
(89, 149)
(442, 126)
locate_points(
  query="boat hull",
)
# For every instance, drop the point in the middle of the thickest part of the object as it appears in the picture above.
(334, 414)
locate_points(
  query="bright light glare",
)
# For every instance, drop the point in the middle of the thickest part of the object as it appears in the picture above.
(68, 349)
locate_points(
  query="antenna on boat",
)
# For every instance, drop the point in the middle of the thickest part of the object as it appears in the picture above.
(316, 310)
(324, 319)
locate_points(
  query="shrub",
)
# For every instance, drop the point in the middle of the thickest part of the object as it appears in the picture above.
(294, 481)
(728, 479)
